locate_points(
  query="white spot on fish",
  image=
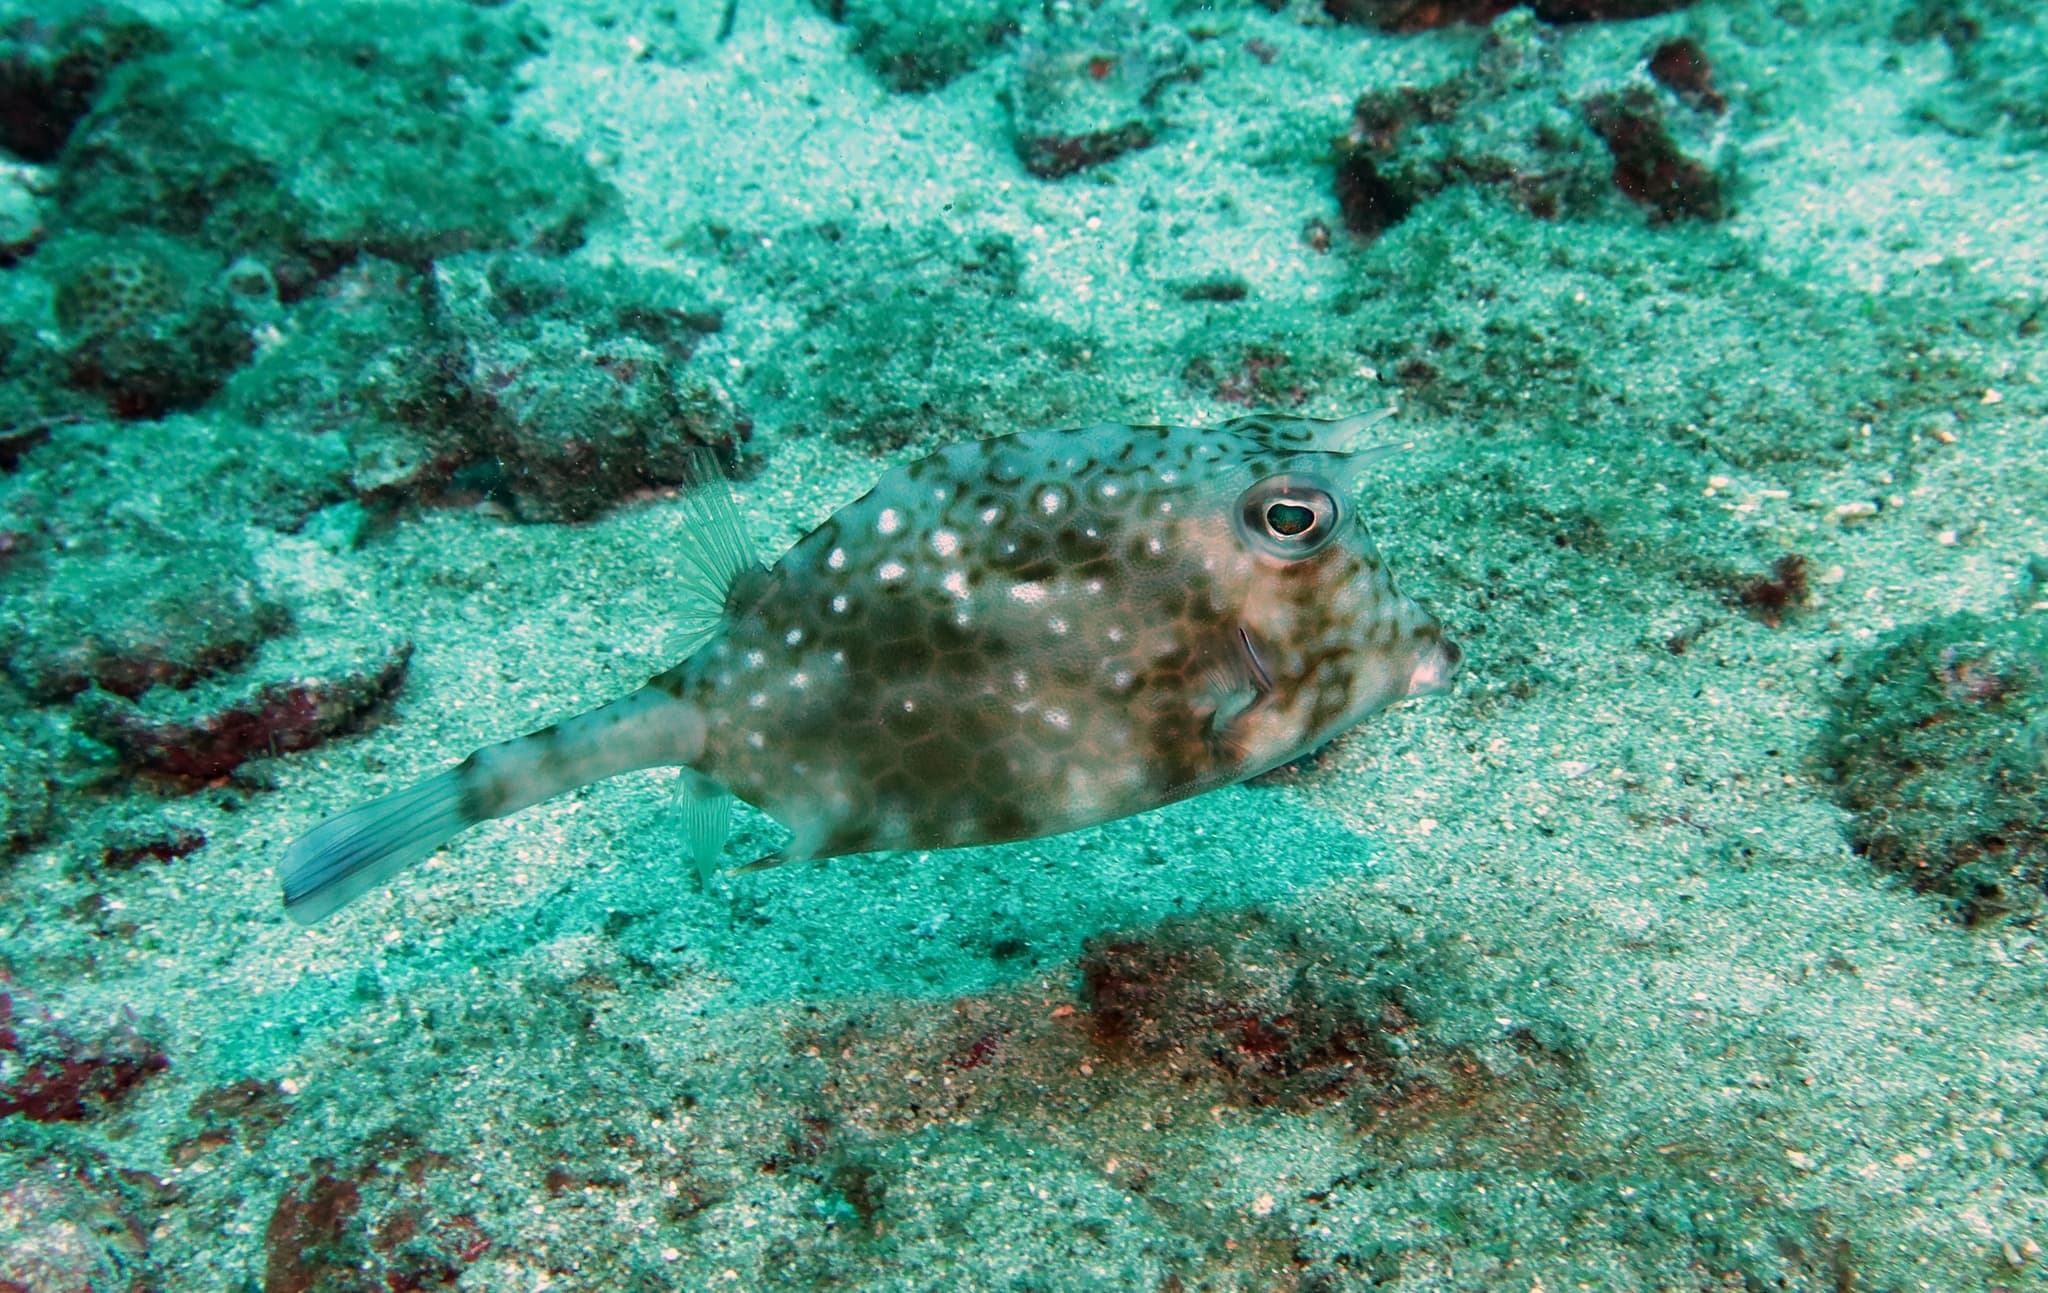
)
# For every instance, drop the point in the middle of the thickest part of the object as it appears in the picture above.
(1155, 545)
(1049, 502)
(1021, 680)
(1057, 625)
(892, 570)
(955, 583)
(989, 515)
(756, 659)
(1029, 594)
(799, 680)
(757, 740)
(758, 700)
(1109, 489)
(945, 542)
(1116, 633)
(889, 521)
(793, 637)
(1123, 678)
(839, 603)
(1058, 718)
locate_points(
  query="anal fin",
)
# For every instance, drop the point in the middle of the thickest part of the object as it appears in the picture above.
(706, 810)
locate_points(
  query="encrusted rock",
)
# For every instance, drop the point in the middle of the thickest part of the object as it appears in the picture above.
(211, 731)
(1088, 88)
(68, 1068)
(1939, 746)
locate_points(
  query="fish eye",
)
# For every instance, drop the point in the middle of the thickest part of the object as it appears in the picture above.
(1289, 516)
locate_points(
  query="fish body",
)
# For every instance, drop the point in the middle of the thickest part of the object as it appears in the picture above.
(1009, 638)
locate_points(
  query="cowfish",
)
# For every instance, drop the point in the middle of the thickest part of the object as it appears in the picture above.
(1010, 638)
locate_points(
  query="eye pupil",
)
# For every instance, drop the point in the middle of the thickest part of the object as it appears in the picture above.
(1290, 519)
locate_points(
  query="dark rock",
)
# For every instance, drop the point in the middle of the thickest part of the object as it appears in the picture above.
(1682, 67)
(15, 442)
(314, 1240)
(1649, 166)
(130, 847)
(68, 1070)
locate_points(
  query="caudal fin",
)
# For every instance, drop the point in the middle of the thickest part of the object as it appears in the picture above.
(346, 856)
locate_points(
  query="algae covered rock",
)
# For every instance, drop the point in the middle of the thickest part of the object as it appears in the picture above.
(301, 694)
(1647, 125)
(144, 319)
(553, 387)
(54, 62)
(126, 626)
(945, 342)
(324, 131)
(915, 46)
(1088, 84)
(1999, 50)
(1939, 746)
(578, 390)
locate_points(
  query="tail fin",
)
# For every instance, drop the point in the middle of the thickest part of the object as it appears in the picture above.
(346, 856)
(349, 855)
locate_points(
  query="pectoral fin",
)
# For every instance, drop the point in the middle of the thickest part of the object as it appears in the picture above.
(1238, 687)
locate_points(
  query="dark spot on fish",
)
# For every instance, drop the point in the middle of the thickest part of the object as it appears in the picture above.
(1076, 547)
(1027, 558)
(1003, 820)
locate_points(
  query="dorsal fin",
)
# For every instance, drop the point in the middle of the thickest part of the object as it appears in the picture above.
(714, 548)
